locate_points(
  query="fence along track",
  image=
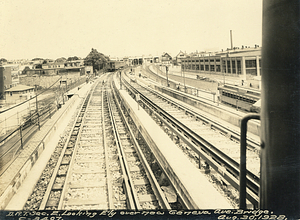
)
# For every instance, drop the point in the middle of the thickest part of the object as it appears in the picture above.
(210, 132)
(191, 128)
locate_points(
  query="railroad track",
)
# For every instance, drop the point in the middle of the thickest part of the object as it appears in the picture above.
(145, 189)
(101, 165)
(217, 145)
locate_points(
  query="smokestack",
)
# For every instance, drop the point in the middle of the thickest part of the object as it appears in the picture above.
(231, 39)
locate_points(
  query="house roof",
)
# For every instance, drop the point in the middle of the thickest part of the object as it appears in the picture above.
(19, 88)
(166, 55)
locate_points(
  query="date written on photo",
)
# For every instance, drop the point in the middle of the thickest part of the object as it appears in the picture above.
(202, 214)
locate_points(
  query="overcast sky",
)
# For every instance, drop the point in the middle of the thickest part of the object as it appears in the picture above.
(56, 28)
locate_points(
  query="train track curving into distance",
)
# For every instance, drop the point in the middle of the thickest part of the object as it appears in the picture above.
(102, 165)
(215, 145)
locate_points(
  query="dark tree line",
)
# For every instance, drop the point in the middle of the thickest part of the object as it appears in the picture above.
(96, 59)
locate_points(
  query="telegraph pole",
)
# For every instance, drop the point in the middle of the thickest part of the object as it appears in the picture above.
(37, 108)
(120, 80)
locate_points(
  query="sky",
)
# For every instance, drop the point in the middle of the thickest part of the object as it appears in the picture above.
(63, 28)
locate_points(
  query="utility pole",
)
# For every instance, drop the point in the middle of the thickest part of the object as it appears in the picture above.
(167, 68)
(37, 108)
(120, 80)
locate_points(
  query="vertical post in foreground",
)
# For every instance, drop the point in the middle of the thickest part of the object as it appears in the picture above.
(280, 117)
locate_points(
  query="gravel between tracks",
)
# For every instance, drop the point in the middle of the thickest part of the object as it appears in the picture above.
(36, 197)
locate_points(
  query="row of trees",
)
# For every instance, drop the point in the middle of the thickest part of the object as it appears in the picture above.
(61, 59)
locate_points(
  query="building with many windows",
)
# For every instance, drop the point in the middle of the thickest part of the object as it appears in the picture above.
(239, 62)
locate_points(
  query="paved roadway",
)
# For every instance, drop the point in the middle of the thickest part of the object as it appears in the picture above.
(218, 78)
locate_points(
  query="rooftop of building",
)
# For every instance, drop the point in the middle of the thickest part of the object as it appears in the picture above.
(19, 88)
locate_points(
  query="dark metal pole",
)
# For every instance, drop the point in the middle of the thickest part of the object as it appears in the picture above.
(280, 95)
(37, 108)
(120, 80)
(30, 112)
(63, 98)
(243, 170)
(21, 137)
(183, 76)
(167, 68)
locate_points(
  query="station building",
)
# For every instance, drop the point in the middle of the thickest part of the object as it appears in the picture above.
(240, 62)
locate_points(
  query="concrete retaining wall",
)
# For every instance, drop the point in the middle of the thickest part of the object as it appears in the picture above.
(40, 144)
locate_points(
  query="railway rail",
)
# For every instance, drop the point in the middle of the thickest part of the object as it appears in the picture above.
(13, 143)
(102, 165)
(216, 145)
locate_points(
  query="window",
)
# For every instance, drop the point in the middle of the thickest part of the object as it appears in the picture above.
(228, 66)
(250, 63)
(224, 66)
(233, 66)
(238, 65)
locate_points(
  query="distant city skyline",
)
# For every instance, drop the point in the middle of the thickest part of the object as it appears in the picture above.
(54, 29)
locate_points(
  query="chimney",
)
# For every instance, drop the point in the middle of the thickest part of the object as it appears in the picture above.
(231, 39)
